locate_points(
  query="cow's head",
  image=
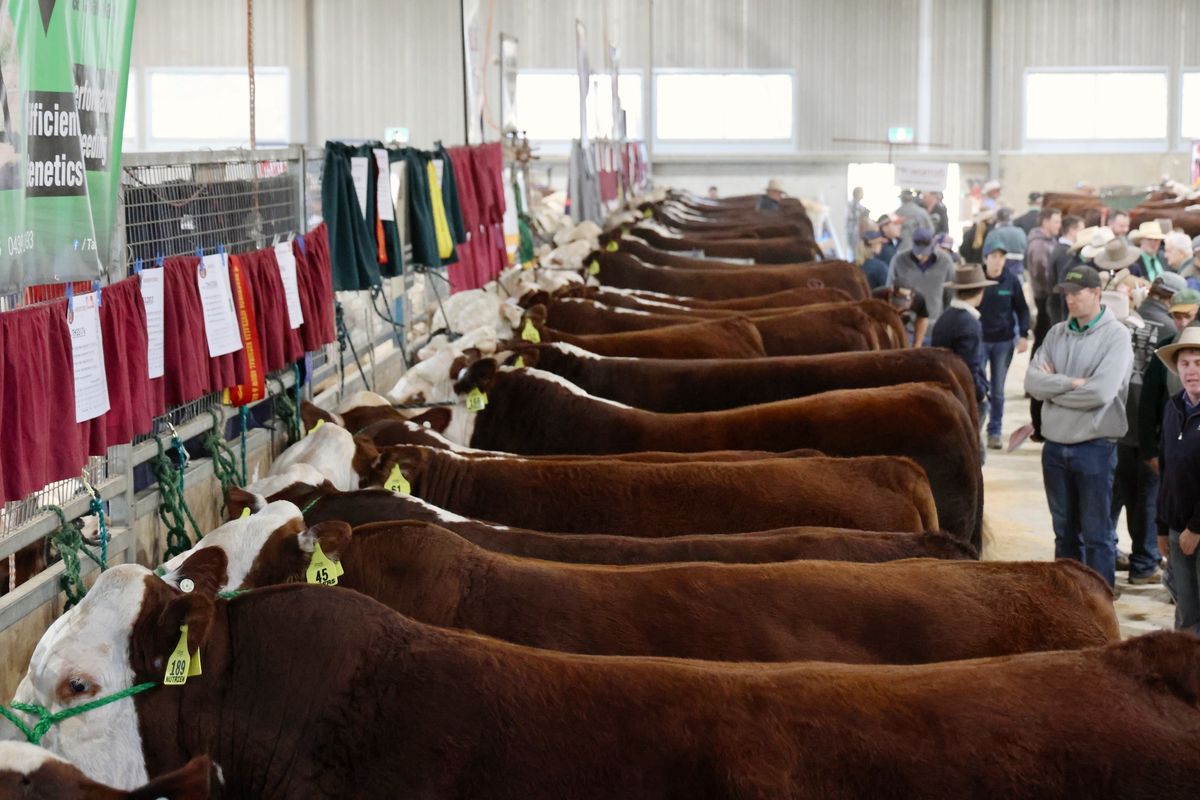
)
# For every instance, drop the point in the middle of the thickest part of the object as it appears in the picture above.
(27, 771)
(339, 456)
(119, 636)
(449, 381)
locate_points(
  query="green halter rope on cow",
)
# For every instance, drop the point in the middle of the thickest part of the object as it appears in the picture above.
(172, 507)
(224, 465)
(47, 720)
(285, 409)
(68, 541)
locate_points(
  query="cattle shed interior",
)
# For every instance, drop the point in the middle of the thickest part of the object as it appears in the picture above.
(599, 398)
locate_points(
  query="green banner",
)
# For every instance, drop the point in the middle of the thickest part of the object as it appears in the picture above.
(64, 66)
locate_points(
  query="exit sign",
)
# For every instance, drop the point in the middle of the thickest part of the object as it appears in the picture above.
(900, 135)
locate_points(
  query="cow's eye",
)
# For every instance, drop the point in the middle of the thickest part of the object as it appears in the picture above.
(78, 685)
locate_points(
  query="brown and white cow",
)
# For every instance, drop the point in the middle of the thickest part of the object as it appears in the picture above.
(900, 612)
(318, 692)
(534, 412)
(28, 772)
(734, 337)
(321, 503)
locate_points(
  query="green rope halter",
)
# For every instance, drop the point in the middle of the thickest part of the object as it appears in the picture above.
(68, 541)
(223, 461)
(47, 720)
(172, 507)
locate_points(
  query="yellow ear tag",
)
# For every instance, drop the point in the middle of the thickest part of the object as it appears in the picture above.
(194, 668)
(519, 363)
(396, 482)
(313, 429)
(611, 247)
(530, 333)
(647, 214)
(245, 512)
(179, 663)
(594, 267)
(321, 568)
(476, 400)
(528, 264)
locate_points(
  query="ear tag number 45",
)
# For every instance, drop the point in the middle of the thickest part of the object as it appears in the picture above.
(476, 400)
(322, 569)
(181, 665)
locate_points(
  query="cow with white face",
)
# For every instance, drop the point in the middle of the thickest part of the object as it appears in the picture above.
(330, 449)
(476, 308)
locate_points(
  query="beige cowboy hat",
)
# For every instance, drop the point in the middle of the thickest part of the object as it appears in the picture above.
(1151, 229)
(773, 185)
(1117, 255)
(1094, 244)
(970, 276)
(1188, 340)
(1083, 237)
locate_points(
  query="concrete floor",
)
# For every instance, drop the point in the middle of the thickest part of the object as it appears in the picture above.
(1016, 510)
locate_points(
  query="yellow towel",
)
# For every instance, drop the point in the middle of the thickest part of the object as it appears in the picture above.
(444, 240)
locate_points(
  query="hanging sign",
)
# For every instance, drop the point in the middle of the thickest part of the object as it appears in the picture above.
(153, 297)
(87, 356)
(924, 176)
(220, 319)
(285, 257)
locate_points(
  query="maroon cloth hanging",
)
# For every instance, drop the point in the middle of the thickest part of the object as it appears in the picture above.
(39, 443)
(280, 344)
(185, 350)
(123, 325)
(315, 279)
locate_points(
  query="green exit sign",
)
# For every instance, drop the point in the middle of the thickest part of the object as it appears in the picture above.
(900, 135)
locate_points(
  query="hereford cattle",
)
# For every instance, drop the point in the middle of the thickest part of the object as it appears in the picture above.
(914, 611)
(666, 385)
(28, 772)
(647, 301)
(321, 503)
(627, 272)
(735, 337)
(1181, 218)
(316, 692)
(649, 499)
(832, 328)
(1088, 206)
(534, 412)
(781, 250)
(820, 328)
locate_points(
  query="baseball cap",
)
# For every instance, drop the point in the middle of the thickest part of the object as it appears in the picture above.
(871, 236)
(1186, 300)
(922, 241)
(994, 245)
(1081, 277)
(1169, 283)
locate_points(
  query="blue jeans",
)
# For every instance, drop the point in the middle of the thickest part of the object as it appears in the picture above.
(1079, 481)
(1186, 585)
(999, 356)
(1135, 488)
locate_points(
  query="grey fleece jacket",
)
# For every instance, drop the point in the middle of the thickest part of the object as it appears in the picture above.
(1102, 355)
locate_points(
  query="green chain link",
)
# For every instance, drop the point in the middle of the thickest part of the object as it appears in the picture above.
(68, 541)
(223, 461)
(172, 507)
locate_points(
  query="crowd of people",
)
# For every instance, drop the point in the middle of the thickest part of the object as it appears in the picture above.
(1109, 314)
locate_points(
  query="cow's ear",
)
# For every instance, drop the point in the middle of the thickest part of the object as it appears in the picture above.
(411, 459)
(480, 375)
(334, 536)
(366, 456)
(193, 781)
(237, 500)
(438, 419)
(310, 414)
(526, 351)
(537, 315)
(165, 610)
(533, 298)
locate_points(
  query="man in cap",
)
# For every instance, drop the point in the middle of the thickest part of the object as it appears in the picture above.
(1004, 317)
(1081, 375)
(1011, 238)
(1155, 309)
(873, 266)
(889, 226)
(914, 217)
(959, 330)
(991, 195)
(944, 243)
(1148, 238)
(773, 197)
(1158, 383)
(923, 269)
(912, 309)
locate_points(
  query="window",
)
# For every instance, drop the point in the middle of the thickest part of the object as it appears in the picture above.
(189, 108)
(547, 105)
(1189, 110)
(723, 107)
(129, 134)
(1072, 106)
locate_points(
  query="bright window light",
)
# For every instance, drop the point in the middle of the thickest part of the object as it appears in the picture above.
(1189, 111)
(547, 105)
(211, 107)
(1095, 106)
(753, 106)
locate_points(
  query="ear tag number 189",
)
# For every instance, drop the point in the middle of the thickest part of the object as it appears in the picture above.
(181, 665)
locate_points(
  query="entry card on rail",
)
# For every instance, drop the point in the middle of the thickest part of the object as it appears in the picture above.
(359, 174)
(220, 319)
(383, 186)
(152, 282)
(87, 357)
(286, 258)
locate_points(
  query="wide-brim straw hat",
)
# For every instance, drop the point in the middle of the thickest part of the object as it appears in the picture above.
(970, 276)
(1117, 254)
(1188, 340)
(1151, 229)
(774, 185)
(1094, 244)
